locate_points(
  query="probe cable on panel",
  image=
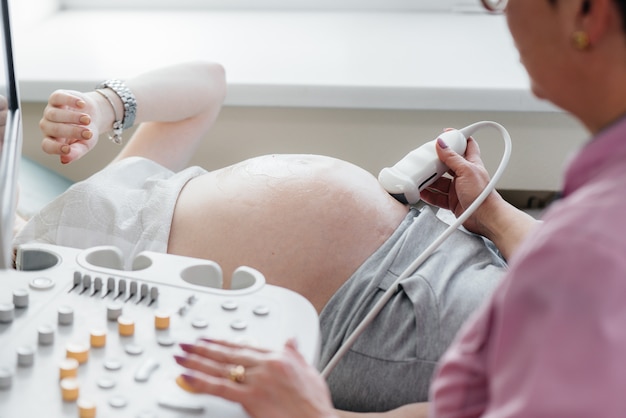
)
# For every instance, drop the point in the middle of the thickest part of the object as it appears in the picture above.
(467, 131)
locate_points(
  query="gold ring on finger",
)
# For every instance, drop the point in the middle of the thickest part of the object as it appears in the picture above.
(237, 374)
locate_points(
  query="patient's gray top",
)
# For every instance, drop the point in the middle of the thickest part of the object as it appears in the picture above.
(129, 204)
(391, 363)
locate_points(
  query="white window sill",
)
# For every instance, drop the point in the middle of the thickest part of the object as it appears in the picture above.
(295, 59)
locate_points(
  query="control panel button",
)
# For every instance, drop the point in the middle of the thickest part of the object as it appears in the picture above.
(98, 338)
(165, 340)
(154, 294)
(230, 305)
(78, 277)
(41, 283)
(114, 311)
(239, 325)
(68, 368)
(20, 298)
(86, 408)
(146, 369)
(133, 349)
(132, 289)
(106, 383)
(125, 326)
(180, 405)
(200, 323)
(80, 352)
(121, 287)
(110, 285)
(261, 310)
(7, 312)
(161, 320)
(69, 389)
(97, 284)
(118, 402)
(45, 335)
(65, 315)
(112, 365)
(25, 356)
(6, 378)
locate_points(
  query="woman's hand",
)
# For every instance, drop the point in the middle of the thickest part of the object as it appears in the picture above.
(469, 178)
(266, 383)
(495, 218)
(69, 125)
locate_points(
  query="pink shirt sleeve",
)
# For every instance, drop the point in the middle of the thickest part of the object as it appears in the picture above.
(551, 342)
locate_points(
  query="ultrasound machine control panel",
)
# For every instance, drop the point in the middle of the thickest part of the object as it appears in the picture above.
(82, 338)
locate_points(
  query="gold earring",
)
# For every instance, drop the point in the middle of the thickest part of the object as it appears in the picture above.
(581, 40)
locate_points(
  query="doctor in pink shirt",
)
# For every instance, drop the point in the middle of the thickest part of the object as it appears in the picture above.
(551, 341)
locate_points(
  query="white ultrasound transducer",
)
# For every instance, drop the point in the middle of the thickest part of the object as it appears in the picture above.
(420, 168)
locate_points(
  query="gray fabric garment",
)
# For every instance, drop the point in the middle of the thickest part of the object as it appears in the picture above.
(128, 204)
(392, 362)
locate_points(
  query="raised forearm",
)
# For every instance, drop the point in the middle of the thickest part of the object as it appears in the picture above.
(171, 94)
(176, 106)
(178, 92)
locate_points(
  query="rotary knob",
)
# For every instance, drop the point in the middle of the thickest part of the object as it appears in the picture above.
(80, 352)
(86, 408)
(20, 298)
(69, 389)
(25, 356)
(65, 315)
(98, 338)
(6, 378)
(68, 368)
(161, 320)
(125, 326)
(114, 311)
(7, 312)
(45, 335)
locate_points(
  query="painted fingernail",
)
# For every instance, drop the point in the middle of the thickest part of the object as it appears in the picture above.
(186, 347)
(65, 149)
(80, 103)
(442, 144)
(86, 134)
(206, 340)
(183, 382)
(188, 378)
(85, 120)
(179, 359)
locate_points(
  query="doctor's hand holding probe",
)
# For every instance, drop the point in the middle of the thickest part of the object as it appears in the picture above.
(556, 321)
